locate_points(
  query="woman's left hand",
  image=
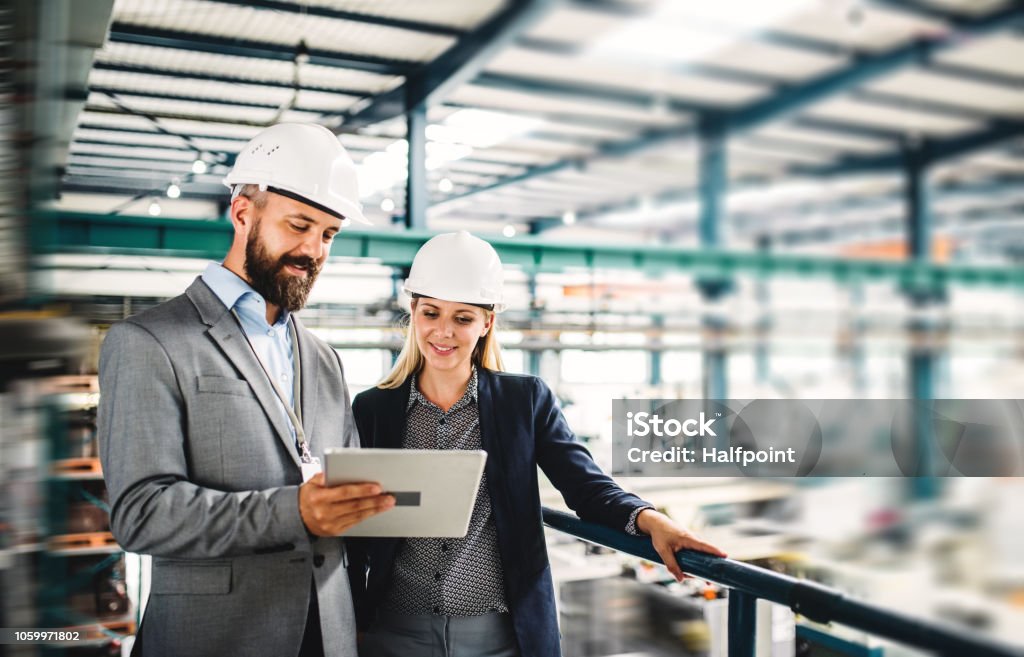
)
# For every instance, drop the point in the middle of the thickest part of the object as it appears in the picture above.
(668, 538)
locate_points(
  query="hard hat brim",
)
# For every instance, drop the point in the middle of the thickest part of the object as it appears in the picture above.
(405, 297)
(352, 212)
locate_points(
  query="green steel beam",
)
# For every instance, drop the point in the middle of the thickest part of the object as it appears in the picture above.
(67, 232)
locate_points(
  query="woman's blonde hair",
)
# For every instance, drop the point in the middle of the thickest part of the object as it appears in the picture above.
(486, 354)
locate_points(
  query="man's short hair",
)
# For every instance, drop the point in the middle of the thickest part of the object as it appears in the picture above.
(254, 194)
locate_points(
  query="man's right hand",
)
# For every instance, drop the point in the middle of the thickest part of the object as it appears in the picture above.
(333, 510)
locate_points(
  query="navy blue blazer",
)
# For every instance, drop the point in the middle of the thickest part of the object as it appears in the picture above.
(521, 427)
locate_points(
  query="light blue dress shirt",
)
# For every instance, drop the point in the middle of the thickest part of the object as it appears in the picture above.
(272, 343)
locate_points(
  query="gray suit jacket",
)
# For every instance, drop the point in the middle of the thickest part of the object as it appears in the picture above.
(203, 474)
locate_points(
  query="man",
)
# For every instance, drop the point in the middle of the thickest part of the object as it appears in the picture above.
(214, 409)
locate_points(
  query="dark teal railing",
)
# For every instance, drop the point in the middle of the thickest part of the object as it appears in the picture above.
(819, 603)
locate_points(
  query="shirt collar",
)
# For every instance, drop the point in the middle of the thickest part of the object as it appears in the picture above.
(233, 291)
(469, 396)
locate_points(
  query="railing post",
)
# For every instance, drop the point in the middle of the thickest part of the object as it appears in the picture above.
(742, 623)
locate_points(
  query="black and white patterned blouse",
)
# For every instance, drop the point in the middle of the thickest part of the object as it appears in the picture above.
(449, 576)
(452, 576)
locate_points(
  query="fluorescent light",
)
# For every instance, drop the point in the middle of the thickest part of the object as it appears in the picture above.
(383, 170)
(400, 147)
(440, 154)
(678, 31)
(480, 128)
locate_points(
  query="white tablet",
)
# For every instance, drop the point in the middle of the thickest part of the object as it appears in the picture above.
(434, 489)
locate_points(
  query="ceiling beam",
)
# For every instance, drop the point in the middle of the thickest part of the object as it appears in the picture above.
(226, 79)
(121, 187)
(712, 70)
(952, 108)
(863, 68)
(431, 83)
(634, 100)
(921, 9)
(121, 32)
(308, 9)
(100, 109)
(161, 95)
(932, 150)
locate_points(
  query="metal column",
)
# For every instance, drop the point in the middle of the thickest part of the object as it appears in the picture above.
(398, 276)
(416, 183)
(764, 321)
(857, 350)
(742, 624)
(656, 351)
(714, 181)
(533, 355)
(922, 331)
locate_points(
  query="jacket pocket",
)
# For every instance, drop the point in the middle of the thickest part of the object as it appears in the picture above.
(195, 578)
(224, 385)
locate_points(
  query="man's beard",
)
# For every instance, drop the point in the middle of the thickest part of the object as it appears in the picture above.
(267, 277)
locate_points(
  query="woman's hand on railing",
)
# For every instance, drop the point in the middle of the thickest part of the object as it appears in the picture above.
(668, 538)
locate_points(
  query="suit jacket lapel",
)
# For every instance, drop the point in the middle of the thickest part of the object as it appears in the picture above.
(310, 361)
(227, 334)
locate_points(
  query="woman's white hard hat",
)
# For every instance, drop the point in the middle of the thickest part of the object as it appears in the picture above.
(456, 267)
(303, 161)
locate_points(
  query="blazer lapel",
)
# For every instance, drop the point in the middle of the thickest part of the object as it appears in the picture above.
(393, 423)
(510, 537)
(227, 334)
(490, 434)
(310, 362)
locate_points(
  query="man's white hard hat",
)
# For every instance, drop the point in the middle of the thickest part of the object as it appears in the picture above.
(456, 267)
(303, 161)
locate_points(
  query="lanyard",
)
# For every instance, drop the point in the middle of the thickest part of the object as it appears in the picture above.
(295, 412)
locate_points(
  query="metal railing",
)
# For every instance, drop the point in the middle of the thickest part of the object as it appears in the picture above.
(818, 603)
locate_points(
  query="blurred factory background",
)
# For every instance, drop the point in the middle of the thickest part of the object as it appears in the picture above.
(807, 199)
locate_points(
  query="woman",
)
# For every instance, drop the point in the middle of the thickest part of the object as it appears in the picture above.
(489, 593)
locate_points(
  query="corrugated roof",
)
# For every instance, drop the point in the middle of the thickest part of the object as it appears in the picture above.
(831, 84)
